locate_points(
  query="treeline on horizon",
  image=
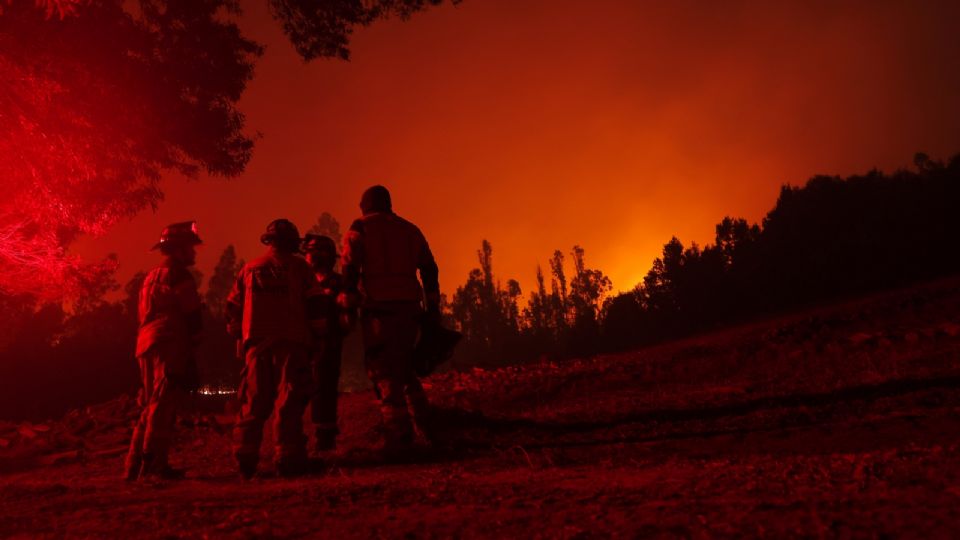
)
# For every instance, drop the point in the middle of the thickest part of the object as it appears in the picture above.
(832, 237)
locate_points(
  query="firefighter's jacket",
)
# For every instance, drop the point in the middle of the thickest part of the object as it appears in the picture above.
(382, 253)
(168, 308)
(268, 300)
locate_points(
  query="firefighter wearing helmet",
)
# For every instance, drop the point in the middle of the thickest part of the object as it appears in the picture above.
(170, 319)
(267, 313)
(330, 324)
(382, 255)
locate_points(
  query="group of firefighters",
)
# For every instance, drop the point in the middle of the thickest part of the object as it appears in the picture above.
(289, 315)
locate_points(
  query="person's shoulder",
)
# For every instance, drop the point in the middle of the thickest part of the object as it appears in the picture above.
(180, 275)
(358, 224)
(298, 264)
(262, 260)
(403, 222)
(156, 275)
(413, 228)
(167, 275)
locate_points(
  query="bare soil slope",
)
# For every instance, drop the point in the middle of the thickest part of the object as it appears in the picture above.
(842, 421)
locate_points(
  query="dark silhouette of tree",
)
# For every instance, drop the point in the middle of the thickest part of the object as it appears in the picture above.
(560, 322)
(476, 306)
(95, 106)
(224, 275)
(323, 29)
(587, 289)
(539, 313)
(327, 225)
(623, 319)
(733, 237)
(100, 98)
(467, 309)
(486, 313)
(510, 298)
(832, 237)
(57, 360)
(558, 293)
(131, 301)
(658, 291)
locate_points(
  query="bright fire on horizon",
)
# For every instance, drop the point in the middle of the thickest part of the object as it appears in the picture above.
(539, 125)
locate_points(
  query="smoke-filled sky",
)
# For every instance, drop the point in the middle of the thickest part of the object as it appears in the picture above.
(540, 124)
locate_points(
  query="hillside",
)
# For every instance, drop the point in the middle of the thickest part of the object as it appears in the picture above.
(839, 421)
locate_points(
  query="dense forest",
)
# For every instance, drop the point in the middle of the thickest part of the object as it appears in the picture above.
(832, 237)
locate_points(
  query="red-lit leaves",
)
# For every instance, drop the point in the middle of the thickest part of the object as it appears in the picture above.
(94, 106)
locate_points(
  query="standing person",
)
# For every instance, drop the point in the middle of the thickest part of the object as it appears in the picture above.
(266, 312)
(170, 320)
(382, 254)
(330, 323)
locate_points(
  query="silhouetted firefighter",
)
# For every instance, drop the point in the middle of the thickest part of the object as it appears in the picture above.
(330, 323)
(170, 318)
(267, 313)
(382, 254)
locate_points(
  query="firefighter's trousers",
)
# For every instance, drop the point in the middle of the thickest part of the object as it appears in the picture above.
(389, 336)
(276, 375)
(326, 358)
(162, 368)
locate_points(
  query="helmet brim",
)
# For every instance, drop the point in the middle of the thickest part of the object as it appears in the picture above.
(268, 238)
(195, 241)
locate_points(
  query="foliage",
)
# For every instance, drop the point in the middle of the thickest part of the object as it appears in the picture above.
(94, 107)
(829, 238)
(224, 275)
(323, 29)
(327, 225)
(86, 355)
(100, 98)
(495, 327)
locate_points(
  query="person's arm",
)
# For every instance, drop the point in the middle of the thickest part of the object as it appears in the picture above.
(352, 261)
(346, 318)
(313, 303)
(233, 309)
(430, 276)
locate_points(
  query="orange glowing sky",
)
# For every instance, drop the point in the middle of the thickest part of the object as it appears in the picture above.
(539, 124)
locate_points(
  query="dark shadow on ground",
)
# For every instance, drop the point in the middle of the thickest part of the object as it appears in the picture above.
(472, 430)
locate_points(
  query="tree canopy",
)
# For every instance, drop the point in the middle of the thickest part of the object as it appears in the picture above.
(101, 98)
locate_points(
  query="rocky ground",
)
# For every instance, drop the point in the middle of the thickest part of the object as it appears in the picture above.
(841, 421)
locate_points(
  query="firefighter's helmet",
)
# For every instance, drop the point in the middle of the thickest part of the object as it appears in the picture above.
(318, 242)
(184, 233)
(281, 231)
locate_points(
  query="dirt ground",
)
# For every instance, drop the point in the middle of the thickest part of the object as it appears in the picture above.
(837, 422)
